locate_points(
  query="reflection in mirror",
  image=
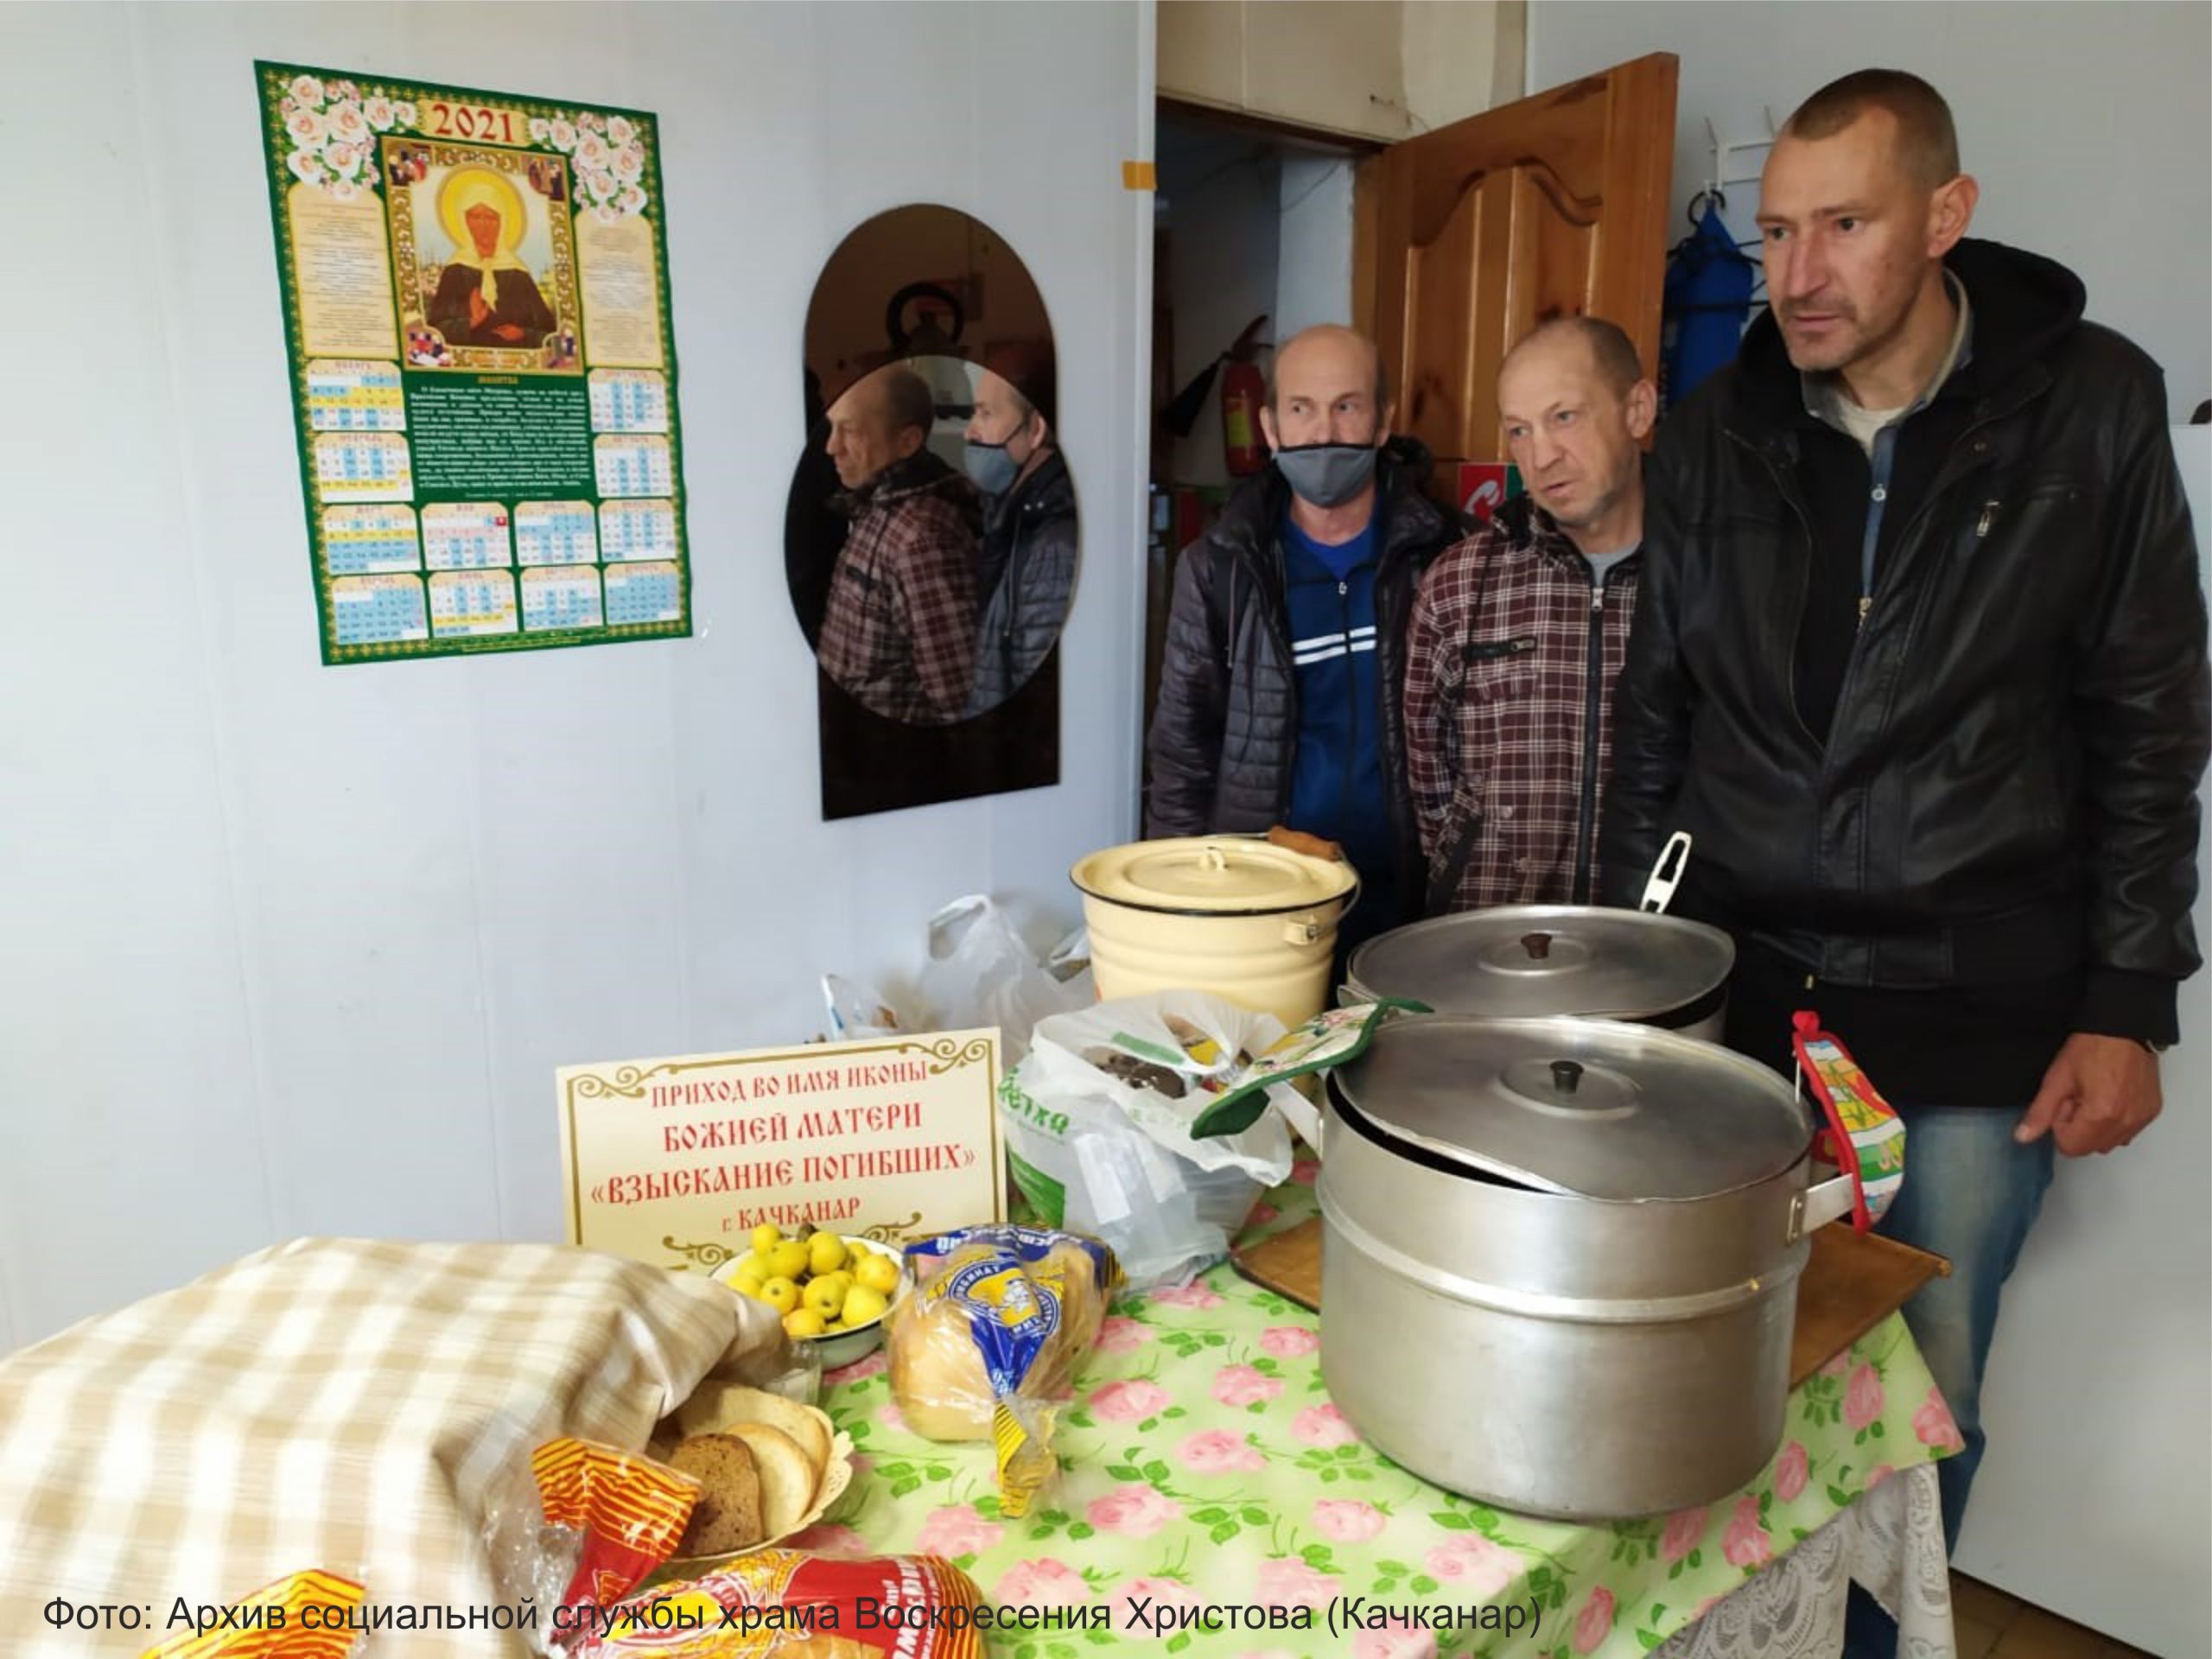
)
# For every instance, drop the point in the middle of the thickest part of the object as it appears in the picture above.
(930, 534)
(900, 618)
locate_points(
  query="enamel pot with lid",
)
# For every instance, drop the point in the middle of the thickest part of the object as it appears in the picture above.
(1560, 1259)
(1240, 916)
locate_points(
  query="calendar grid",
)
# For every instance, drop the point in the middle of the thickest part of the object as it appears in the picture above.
(406, 564)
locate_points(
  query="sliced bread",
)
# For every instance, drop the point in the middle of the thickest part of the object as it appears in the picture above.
(731, 1513)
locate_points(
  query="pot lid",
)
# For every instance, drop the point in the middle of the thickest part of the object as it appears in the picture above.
(1596, 1107)
(1209, 874)
(1542, 959)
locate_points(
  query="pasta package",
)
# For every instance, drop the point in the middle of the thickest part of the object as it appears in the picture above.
(988, 1342)
(786, 1603)
(307, 1615)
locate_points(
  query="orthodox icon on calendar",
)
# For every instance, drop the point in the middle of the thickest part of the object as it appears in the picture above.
(483, 368)
(480, 245)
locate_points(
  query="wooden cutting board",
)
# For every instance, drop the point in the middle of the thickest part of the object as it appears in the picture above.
(1852, 1282)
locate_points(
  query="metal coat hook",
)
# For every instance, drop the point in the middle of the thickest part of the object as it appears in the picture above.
(1718, 176)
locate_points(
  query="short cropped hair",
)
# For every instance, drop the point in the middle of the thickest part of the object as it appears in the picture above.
(1382, 380)
(1928, 139)
(908, 400)
(1608, 343)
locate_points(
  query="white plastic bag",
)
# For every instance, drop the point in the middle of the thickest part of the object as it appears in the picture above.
(980, 973)
(1098, 1119)
(857, 1010)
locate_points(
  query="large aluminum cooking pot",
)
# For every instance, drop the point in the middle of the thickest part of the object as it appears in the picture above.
(1519, 961)
(1560, 1259)
(1513, 961)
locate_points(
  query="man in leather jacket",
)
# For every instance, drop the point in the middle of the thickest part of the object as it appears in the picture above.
(1919, 660)
(1280, 692)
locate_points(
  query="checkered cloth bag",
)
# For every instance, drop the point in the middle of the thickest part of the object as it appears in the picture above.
(362, 1407)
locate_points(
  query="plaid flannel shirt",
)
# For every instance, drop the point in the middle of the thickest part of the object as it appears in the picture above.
(900, 630)
(1499, 712)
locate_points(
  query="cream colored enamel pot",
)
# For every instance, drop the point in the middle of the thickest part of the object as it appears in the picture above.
(1235, 915)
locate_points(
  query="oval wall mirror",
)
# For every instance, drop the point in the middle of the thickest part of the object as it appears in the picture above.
(931, 537)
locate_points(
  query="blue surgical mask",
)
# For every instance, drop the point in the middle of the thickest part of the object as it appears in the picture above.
(992, 466)
(1327, 475)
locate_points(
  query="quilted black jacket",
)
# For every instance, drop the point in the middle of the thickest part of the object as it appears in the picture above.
(1224, 734)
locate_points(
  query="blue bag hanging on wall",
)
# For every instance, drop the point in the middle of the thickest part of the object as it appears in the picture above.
(1708, 301)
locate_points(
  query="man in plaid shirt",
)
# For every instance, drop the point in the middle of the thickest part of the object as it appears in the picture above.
(899, 632)
(1520, 631)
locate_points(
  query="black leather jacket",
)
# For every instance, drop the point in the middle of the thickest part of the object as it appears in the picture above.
(1225, 734)
(2008, 787)
(1029, 547)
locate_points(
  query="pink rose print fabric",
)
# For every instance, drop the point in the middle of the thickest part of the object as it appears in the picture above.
(1133, 1512)
(1595, 1622)
(1130, 1402)
(1934, 1427)
(1789, 1472)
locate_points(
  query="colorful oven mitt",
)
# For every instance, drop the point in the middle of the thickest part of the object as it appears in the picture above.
(1864, 1137)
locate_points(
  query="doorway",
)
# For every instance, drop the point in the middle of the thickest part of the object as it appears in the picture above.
(1252, 226)
(1444, 248)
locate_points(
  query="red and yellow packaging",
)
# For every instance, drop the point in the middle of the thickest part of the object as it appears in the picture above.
(631, 1511)
(327, 1635)
(785, 1604)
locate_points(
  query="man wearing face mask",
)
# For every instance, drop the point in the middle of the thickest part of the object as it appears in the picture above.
(1279, 694)
(1027, 560)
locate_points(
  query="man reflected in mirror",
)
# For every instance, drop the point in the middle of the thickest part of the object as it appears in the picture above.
(899, 632)
(1025, 570)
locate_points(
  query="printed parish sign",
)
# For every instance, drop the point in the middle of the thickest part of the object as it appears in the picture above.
(675, 1161)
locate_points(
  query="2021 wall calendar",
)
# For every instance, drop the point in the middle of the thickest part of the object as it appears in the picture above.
(476, 305)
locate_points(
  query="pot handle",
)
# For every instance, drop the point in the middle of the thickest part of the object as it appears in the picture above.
(1820, 1204)
(1659, 891)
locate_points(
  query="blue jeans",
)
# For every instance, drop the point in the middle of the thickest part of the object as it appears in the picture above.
(1971, 1194)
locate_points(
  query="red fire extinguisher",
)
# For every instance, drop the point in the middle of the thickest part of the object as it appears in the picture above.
(1243, 389)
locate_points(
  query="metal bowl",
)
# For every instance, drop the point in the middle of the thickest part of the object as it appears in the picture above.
(842, 1348)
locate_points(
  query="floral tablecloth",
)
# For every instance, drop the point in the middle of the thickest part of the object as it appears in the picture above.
(1205, 1467)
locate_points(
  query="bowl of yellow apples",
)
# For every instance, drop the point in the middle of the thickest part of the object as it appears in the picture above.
(832, 1290)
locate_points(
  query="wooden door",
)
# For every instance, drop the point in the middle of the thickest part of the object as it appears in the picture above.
(1469, 236)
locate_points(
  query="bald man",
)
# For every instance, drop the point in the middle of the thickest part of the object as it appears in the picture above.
(899, 629)
(1519, 632)
(1279, 695)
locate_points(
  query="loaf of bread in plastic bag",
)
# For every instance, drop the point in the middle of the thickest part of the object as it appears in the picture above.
(992, 1336)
